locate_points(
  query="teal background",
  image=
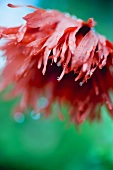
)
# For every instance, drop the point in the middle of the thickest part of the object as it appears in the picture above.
(52, 144)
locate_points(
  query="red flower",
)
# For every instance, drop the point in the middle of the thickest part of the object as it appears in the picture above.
(61, 58)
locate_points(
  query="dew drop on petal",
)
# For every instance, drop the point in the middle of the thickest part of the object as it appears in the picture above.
(49, 10)
(85, 67)
(19, 117)
(67, 14)
(80, 84)
(58, 64)
(34, 115)
(73, 17)
(93, 29)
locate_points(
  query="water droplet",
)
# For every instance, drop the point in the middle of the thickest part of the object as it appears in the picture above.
(58, 64)
(49, 10)
(73, 17)
(34, 115)
(85, 67)
(93, 29)
(80, 83)
(67, 14)
(42, 102)
(19, 117)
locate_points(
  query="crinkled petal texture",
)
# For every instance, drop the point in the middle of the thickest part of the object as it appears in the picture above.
(61, 58)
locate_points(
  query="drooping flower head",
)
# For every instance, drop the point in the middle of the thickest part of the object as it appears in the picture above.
(59, 57)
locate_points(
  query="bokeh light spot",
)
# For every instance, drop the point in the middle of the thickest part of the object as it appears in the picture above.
(19, 117)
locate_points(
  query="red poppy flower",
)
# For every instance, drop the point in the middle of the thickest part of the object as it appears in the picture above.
(61, 58)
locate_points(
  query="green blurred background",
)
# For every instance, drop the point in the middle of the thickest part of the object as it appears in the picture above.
(35, 143)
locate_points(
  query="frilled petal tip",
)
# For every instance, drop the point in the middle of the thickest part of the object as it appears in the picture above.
(61, 58)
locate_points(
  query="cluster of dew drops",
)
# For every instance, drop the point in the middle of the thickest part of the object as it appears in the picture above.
(19, 117)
